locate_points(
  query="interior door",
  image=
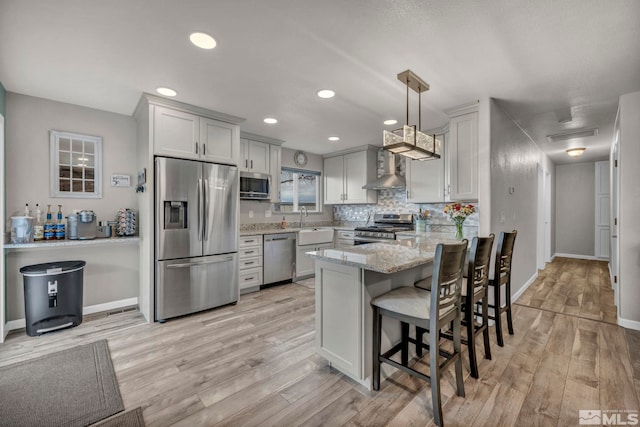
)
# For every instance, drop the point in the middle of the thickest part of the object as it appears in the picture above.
(178, 198)
(221, 199)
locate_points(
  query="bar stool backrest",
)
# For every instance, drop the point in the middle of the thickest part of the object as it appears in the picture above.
(448, 266)
(479, 262)
(504, 255)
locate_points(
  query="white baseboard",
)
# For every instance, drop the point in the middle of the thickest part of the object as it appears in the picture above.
(525, 287)
(629, 324)
(589, 257)
(90, 309)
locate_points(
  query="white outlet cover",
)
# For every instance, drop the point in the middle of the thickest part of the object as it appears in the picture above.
(250, 214)
(267, 214)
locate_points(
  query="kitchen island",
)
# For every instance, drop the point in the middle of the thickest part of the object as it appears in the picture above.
(347, 280)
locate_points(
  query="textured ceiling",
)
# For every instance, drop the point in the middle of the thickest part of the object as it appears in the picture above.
(541, 59)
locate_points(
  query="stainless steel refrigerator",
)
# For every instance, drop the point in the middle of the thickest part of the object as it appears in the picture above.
(196, 231)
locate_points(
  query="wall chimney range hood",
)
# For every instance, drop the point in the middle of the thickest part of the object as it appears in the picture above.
(389, 179)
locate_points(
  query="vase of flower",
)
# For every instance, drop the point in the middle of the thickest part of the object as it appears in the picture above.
(459, 222)
(458, 213)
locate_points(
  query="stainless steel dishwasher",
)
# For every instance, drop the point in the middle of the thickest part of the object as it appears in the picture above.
(279, 257)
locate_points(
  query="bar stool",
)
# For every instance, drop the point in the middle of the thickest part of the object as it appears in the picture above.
(478, 269)
(502, 276)
(430, 311)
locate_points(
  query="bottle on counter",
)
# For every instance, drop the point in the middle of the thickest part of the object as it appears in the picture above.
(38, 229)
(49, 227)
(283, 223)
(26, 210)
(60, 225)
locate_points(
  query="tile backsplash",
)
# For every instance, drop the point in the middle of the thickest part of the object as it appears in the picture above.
(395, 201)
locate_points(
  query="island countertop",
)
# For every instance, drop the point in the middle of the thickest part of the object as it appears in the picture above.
(392, 257)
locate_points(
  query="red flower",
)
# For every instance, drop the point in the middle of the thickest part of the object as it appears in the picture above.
(457, 207)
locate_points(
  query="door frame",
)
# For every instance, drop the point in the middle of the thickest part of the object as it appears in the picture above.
(3, 325)
(541, 228)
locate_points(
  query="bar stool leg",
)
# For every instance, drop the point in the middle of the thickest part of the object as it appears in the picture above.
(485, 332)
(419, 337)
(404, 354)
(508, 298)
(497, 309)
(471, 340)
(377, 335)
(457, 351)
(434, 366)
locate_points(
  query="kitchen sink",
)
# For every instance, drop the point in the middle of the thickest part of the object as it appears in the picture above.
(311, 236)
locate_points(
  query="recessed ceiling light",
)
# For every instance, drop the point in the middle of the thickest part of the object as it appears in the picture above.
(270, 120)
(575, 152)
(166, 91)
(326, 93)
(390, 122)
(334, 138)
(203, 40)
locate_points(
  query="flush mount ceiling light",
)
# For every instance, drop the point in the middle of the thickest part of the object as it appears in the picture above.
(270, 121)
(203, 40)
(326, 93)
(575, 152)
(166, 91)
(390, 122)
(409, 141)
(581, 133)
(334, 138)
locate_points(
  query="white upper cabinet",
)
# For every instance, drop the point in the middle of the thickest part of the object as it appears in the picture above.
(275, 163)
(345, 175)
(219, 141)
(175, 133)
(425, 181)
(463, 157)
(189, 136)
(254, 156)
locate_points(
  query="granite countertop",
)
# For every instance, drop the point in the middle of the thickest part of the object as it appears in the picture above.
(397, 255)
(71, 243)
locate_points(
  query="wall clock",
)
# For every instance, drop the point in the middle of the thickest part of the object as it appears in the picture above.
(300, 158)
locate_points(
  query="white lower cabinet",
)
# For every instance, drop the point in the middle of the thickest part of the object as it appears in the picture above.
(339, 316)
(305, 266)
(250, 263)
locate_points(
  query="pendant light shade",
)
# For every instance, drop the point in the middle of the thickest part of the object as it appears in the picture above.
(409, 141)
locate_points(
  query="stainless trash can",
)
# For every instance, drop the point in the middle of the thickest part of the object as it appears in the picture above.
(52, 296)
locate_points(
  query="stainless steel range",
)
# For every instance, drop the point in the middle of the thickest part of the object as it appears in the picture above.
(384, 228)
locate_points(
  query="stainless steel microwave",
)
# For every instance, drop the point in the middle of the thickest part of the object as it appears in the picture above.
(255, 186)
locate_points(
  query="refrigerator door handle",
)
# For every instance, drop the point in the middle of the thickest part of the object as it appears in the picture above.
(195, 264)
(200, 209)
(205, 232)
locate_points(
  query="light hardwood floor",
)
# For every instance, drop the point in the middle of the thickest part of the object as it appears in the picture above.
(254, 363)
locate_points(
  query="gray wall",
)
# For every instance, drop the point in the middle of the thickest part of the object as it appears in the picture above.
(112, 272)
(629, 191)
(575, 209)
(514, 160)
(3, 100)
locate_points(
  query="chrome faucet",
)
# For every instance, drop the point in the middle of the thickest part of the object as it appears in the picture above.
(303, 211)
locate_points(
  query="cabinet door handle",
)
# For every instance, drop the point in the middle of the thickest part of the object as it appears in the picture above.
(246, 163)
(204, 149)
(249, 263)
(251, 164)
(408, 194)
(196, 148)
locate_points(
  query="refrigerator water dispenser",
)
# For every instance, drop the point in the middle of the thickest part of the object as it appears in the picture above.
(175, 215)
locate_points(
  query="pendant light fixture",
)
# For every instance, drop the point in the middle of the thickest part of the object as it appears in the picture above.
(410, 141)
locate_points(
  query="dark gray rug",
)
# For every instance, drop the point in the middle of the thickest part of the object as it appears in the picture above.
(74, 387)
(132, 418)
